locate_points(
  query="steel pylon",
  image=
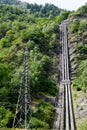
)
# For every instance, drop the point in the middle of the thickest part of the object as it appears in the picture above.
(22, 118)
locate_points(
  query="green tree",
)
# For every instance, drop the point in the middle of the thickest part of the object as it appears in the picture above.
(81, 80)
(74, 27)
(63, 16)
(5, 117)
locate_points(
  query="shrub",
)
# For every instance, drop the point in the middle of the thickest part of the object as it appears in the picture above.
(5, 117)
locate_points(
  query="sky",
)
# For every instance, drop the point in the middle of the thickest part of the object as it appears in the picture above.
(64, 4)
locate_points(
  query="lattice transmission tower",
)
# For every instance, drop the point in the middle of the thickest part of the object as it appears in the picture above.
(22, 118)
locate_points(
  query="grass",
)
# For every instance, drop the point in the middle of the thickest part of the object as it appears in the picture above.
(76, 95)
(83, 125)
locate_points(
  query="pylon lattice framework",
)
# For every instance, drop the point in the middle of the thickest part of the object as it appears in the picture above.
(23, 109)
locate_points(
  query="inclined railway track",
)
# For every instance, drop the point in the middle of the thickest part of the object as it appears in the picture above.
(64, 109)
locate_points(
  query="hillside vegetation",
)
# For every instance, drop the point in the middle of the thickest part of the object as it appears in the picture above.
(78, 39)
(78, 64)
(38, 27)
(19, 27)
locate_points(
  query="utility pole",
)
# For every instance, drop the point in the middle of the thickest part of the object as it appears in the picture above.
(23, 108)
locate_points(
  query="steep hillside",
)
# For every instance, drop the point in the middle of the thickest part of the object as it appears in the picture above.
(47, 10)
(17, 27)
(78, 63)
(38, 27)
(78, 46)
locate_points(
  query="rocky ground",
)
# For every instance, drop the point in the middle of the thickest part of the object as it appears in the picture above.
(80, 108)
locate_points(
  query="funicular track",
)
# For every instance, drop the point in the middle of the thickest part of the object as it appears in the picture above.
(64, 110)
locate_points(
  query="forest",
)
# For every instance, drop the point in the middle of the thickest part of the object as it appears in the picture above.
(38, 27)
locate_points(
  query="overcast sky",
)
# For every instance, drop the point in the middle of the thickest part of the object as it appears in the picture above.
(65, 4)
